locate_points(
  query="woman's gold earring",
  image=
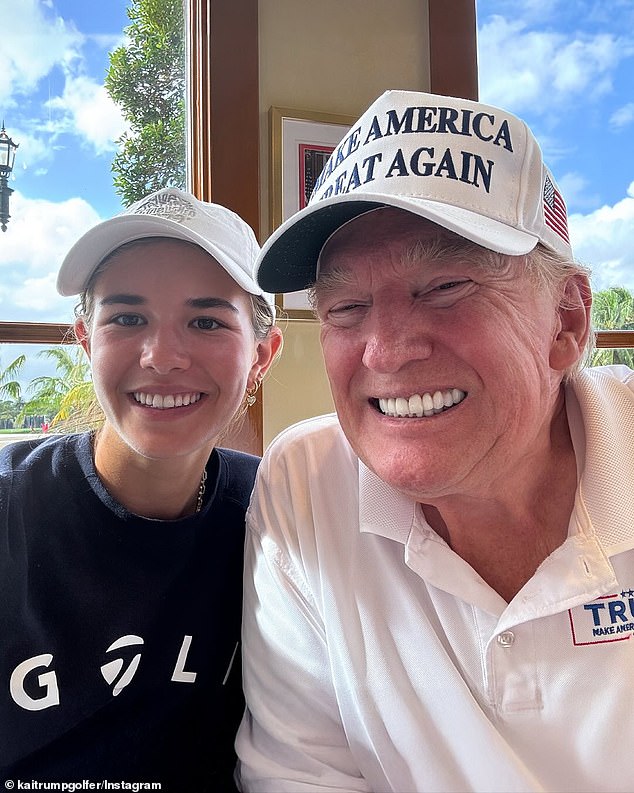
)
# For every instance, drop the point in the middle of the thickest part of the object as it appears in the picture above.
(251, 392)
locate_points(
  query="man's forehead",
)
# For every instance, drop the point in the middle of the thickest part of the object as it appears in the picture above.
(402, 234)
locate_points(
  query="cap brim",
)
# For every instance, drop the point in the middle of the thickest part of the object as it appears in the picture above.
(97, 243)
(288, 260)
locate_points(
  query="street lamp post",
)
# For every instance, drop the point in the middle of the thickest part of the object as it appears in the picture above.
(7, 158)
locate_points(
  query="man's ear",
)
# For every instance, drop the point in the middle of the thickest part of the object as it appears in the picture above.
(82, 335)
(574, 323)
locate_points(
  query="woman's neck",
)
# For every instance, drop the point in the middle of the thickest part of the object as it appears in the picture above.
(165, 489)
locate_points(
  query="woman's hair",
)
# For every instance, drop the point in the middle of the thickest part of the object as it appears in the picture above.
(547, 270)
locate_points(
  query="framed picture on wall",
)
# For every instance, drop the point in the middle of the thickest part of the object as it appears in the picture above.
(301, 142)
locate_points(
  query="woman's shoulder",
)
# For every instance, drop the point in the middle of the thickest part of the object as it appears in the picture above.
(235, 457)
(47, 451)
(237, 474)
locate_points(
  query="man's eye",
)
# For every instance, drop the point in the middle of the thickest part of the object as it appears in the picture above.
(451, 284)
(343, 308)
(205, 323)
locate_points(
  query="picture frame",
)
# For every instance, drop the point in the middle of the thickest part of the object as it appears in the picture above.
(301, 142)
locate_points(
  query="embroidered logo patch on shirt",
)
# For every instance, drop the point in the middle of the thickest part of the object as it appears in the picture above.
(607, 619)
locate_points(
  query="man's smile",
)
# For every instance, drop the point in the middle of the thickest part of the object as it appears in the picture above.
(419, 405)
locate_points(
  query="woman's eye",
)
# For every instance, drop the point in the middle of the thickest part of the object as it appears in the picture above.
(127, 320)
(205, 323)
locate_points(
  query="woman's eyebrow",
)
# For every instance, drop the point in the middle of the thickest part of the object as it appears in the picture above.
(192, 302)
(211, 302)
(126, 299)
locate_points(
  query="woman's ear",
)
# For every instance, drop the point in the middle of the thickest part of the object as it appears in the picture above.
(266, 351)
(574, 323)
(82, 335)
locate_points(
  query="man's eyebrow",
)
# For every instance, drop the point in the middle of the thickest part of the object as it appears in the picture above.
(334, 278)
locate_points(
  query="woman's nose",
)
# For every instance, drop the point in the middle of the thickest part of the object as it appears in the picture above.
(164, 351)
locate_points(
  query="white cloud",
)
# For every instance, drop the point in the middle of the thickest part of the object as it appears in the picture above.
(604, 240)
(38, 236)
(35, 294)
(522, 69)
(526, 9)
(623, 116)
(33, 42)
(43, 55)
(574, 188)
(88, 111)
(32, 152)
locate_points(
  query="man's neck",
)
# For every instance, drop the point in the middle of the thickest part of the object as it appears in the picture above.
(505, 537)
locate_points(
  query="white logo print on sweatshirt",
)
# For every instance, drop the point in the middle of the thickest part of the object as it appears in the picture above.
(115, 672)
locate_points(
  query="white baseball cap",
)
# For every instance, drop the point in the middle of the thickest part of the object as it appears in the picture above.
(173, 214)
(471, 168)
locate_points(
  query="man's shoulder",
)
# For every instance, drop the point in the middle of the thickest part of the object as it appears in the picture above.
(316, 431)
(616, 372)
(309, 444)
(606, 384)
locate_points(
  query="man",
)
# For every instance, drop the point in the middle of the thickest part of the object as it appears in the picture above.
(440, 579)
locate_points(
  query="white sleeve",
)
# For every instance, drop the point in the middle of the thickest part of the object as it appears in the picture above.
(291, 737)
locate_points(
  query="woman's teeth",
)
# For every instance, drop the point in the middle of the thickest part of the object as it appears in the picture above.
(168, 401)
(418, 405)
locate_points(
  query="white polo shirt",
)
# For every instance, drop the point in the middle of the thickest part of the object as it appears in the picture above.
(376, 659)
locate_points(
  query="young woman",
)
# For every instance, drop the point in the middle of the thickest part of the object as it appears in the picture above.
(121, 549)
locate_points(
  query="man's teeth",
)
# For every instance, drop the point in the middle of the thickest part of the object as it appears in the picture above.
(169, 401)
(419, 405)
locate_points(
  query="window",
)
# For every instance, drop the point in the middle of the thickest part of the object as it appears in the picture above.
(56, 107)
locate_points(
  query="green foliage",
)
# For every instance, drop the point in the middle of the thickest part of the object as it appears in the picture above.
(146, 78)
(51, 395)
(613, 309)
(9, 386)
(67, 397)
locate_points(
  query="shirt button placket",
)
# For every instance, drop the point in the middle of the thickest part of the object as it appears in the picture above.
(513, 672)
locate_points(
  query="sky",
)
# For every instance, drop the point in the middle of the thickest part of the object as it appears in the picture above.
(53, 62)
(564, 66)
(567, 68)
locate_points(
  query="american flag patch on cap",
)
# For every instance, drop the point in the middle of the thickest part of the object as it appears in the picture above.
(555, 214)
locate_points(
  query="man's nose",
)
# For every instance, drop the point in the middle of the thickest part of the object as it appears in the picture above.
(395, 337)
(164, 351)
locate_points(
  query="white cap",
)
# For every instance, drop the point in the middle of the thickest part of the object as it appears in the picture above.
(472, 168)
(176, 215)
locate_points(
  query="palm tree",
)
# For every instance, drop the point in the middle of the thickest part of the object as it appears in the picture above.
(68, 396)
(9, 385)
(11, 388)
(613, 309)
